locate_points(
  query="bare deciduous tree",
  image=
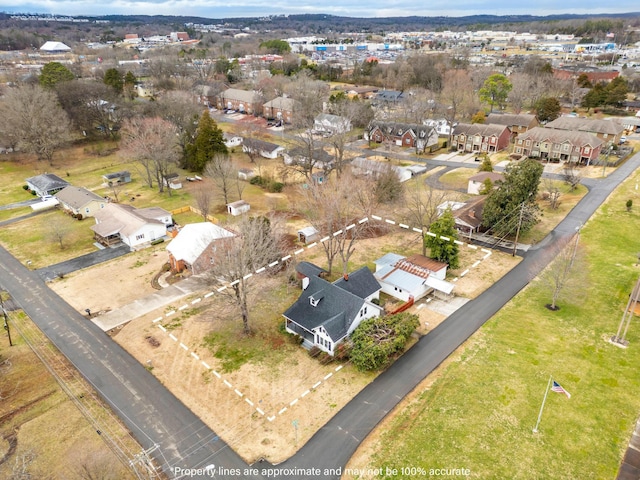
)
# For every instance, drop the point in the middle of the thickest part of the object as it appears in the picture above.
(259, 243)
(572, 175)
(421, 205)
(33, 120)
(334, 210)
(223, 173)
(455, 96)
(564, 276)
(152, 142)
(59, 231)
(552, 192)
(203, 194)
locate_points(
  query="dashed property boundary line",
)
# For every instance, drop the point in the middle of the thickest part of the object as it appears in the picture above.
(328, 376)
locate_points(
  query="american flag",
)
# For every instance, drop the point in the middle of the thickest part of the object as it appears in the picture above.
(558, 389)
(611, 35)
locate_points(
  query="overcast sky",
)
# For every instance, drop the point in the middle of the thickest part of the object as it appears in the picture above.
(353, 8)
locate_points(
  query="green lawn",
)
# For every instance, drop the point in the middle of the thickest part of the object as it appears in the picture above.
(458, 178)
(480, 412)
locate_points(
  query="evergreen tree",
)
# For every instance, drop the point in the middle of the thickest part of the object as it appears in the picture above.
(377, 340)
(445, 251)
(486, 165)
(513, 202)
(207, 143)
(547, 109)
(54, 73)
(113, 78)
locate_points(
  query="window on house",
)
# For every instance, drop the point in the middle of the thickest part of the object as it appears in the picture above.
(518, 150)
(86, 210)
(140, 237)
(605, 135)
(587, 149)
(528, 143)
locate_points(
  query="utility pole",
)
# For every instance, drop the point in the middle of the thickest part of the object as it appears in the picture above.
(627, 315)
(515, 244)
(6, 320)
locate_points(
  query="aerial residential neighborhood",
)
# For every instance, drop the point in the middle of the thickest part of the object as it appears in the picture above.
(314, 246)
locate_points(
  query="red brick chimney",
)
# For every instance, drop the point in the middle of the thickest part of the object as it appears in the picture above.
(346, 277)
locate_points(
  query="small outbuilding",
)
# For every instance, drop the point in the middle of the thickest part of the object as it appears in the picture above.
(116, 178)
(308, 234)
(238, 208)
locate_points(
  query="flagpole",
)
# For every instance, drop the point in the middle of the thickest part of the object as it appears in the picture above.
(535, 429)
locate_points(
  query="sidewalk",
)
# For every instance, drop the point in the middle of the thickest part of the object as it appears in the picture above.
(147, 304)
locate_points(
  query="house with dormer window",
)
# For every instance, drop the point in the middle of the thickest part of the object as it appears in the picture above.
(326, 313)
(404, 135)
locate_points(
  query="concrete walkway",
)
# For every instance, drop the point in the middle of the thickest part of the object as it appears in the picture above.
(151, 302)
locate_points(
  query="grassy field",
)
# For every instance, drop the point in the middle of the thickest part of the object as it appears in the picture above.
(31, 429)
(480, 411)
(458, 178)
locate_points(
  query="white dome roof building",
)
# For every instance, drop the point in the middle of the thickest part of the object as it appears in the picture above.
(55, 47)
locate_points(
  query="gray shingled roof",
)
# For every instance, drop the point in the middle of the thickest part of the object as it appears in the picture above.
(338, 303)
(485, 130)
(47, 181)
(361, 283)
(509, 119)
(396, 129)
(256, 144)
(592, 125)
(77, 197)
(541, 134)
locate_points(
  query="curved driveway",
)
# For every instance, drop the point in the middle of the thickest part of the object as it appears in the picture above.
(155, 416)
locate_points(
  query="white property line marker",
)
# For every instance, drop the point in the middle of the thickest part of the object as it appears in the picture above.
(350, 226)
(248, 401)
(464, 273)
(259, 411)
(182, 345)
(260, 270)
(207, 295)
(227, 383)
(365, 219)
(325, 239)
(338, 368)
(238, 393)
(299, 251)
(475, 247)
(328, 375)
(475, 264)
(197, 300)
(173, 337)
(157, 320)
(391, 222)
(316, 385)
(282, 411)
(206, 365)
(417, 230)
(273, 264)
(168, 314)
(284, 259)
(162, 328)
(402, 225)
(217, 374)
(195, 355)
(293, 402)
(271, 419)
(221, 289)
(376, 217)
(183, 307)
(305, 393)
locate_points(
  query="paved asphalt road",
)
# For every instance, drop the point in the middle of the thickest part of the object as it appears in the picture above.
(155, 416)
(54, 271)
